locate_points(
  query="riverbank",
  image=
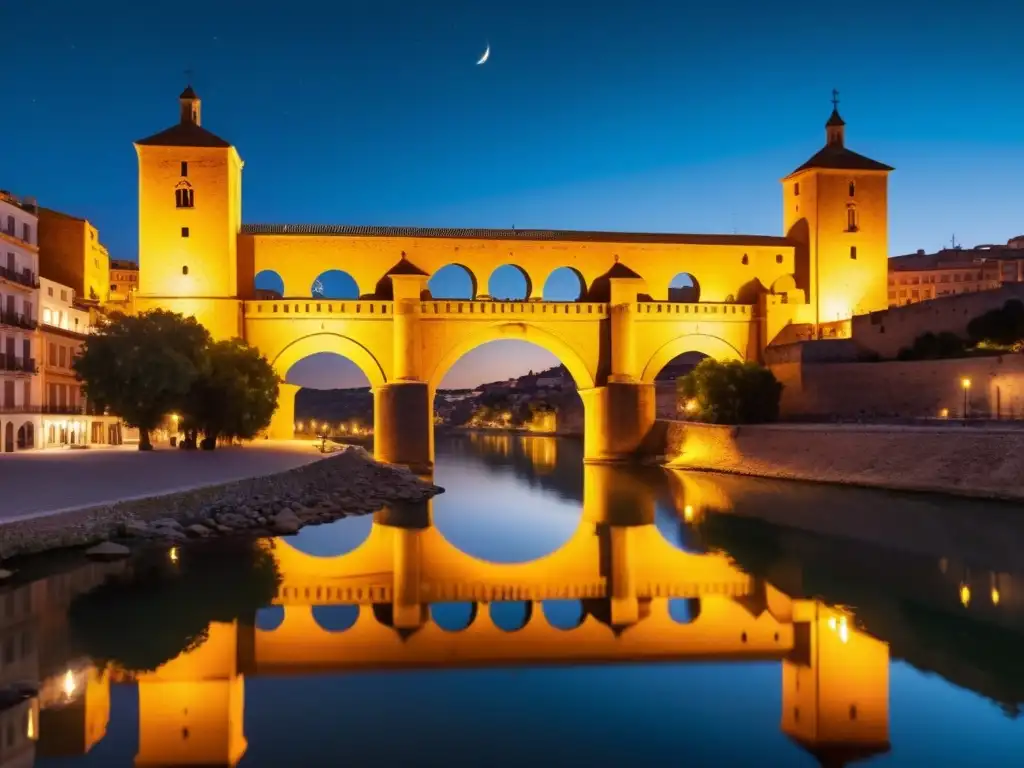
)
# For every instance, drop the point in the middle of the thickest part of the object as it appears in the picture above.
(348, 482)
(981, 463)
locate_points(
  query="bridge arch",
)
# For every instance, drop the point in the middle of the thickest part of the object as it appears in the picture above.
(335, 343)
(517, 284)
(569, 357)
(449, 282)
(564, 279)
(712, 346)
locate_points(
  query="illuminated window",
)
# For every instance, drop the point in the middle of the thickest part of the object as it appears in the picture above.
(184, 270)
(183, 196)
(184, 231)
(853, 251)
(184, 168)
(46, 315)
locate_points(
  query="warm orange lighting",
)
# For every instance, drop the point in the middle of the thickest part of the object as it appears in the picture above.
(69, 686)
(298, 426)
(175, 417)
(944, 413)
(840, 627)
(995, 596)
(692, 405)
(173, 555)
(688, 513)
(965, 383)
(965, 595)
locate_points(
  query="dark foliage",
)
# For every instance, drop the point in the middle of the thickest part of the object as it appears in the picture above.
(731, 392)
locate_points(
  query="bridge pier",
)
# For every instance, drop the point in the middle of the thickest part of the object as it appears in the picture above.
(618, 417)
(282, 423)
(402, 425)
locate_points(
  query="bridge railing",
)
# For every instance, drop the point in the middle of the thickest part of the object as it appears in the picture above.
(651, 310)
(488, 307)
(300, 307)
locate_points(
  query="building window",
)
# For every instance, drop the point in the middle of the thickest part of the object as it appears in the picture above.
(853, 189)
(184, 168)
(46, 315)
(184, 270)
(10, 225)
(778, 258)
(61, 356)
(183, 197)
(796, 189)
(851, 218)
(63, 295)
(746, 259)
(49, 290)
(113, 288)
(853, 251)
(26, 233)
(184, 231)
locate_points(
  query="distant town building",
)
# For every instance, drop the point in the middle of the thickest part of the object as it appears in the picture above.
(70, 253)
(922, 276)
(124, 280)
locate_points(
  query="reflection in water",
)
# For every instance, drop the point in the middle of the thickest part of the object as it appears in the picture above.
(774, 644)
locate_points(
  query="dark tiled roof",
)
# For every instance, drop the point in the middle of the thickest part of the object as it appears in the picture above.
(512, 234)
(839, 157)
(188, 93)
(184, 135)
(835, 119)
(621, 270)
(406, 267)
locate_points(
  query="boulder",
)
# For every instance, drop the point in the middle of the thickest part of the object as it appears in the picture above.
(108, 550)
(135, 529)
(286, 522)
(198, 529)
(166, 522)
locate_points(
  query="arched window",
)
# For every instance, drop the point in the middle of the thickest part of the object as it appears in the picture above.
(184, 270)
(183, 195)
(746, 259)
(851, 218)
(853, 188)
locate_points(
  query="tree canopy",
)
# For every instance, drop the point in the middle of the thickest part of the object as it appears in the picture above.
(143, 366)
(1003, 326)
(730, 392)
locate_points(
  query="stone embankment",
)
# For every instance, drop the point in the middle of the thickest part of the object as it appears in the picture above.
(965, 461)
(348, 483)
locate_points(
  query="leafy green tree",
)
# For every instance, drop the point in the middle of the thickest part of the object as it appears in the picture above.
(142, 367)
(235, 394)
(730, 393)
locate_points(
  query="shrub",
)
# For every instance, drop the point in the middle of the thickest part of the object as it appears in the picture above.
(730, 393)
(931, 346)
(1003, 326)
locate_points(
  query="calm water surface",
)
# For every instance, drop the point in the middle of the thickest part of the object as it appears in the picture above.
(544, 613)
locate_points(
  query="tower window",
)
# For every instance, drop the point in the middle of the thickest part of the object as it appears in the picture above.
(796, 189)
(184, 270)
(746, 259)
(184, 169)
(183, 197)
(853, 189)
(851, 219)
(778, 258)
(184, 231)
(853, 252)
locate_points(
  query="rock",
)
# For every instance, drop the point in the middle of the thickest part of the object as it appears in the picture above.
(5, 574)
(108, 551)
(224, 529)
(286, 522)
(135, 529)
(170, 535)
(198, 529)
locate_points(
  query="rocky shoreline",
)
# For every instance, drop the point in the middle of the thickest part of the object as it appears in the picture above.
(347, 483)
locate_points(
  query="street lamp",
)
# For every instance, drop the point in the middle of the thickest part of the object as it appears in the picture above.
(965, 383)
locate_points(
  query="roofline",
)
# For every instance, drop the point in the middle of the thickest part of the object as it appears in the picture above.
(522, 235)
(836, 171)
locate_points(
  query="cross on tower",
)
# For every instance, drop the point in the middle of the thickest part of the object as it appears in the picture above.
(835, 99)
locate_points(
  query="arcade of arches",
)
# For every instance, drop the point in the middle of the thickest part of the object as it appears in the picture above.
(642, 300)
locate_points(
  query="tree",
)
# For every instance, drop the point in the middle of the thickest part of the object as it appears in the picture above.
(142, 367)
(730, 393)
(1003, 326)
(931, 346)
(235, 394)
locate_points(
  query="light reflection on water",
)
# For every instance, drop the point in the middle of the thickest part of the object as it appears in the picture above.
(682, 658)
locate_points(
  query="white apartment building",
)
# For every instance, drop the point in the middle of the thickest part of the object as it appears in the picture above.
(20, 394)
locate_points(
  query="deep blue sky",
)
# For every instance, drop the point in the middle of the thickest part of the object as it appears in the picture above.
(657, 115)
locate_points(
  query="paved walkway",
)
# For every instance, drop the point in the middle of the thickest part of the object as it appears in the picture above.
(37, 482)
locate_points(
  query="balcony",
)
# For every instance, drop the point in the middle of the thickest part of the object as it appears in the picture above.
(25, 277)
(62, 410)
(18, 364)
(16, 320)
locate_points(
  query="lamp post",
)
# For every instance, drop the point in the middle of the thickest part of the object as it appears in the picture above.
(965, 383)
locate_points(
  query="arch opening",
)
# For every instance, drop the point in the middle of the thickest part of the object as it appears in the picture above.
(269, 618)
(453, 617)
(334, 284)
(684, 289)
(684, 610)
(564, 284)
(692, 345)
(564, 614)
(511, 616)
(336, 618)
(9, 438)
(509, 283)
(452, 281)
(268, 285)
(666, 383)
(26, 436)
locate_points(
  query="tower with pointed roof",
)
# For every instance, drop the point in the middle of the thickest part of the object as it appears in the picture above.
(835, 208)
(190, 213)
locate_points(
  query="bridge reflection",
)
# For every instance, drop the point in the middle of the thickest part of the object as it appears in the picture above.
(638, 598)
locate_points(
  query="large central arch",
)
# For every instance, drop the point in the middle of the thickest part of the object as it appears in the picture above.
(712, 346)
(337, 344)
(565, 353)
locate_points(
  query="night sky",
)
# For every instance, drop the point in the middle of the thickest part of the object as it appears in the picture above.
(657, 115)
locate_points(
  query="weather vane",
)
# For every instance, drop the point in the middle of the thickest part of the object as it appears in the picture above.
(835, 98)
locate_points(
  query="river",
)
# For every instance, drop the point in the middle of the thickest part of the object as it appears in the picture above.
(539, 612)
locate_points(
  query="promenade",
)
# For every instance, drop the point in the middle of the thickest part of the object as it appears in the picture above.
(37, 482)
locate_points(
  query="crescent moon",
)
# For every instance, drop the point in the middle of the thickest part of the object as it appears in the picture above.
(486, 56)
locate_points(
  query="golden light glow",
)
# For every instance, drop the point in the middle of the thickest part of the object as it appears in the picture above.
(995, 596)
(688, 513)
(965, 383)
(692, 406)
(298, 426)
(944, 413)
(69, 685)
(175, 418)
(840, 627)
(173, 555)
(965, 595)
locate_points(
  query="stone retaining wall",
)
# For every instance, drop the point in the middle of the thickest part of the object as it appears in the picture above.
(968, 461)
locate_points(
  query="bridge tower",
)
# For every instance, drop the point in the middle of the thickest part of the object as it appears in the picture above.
(190, 213)
(835, 207)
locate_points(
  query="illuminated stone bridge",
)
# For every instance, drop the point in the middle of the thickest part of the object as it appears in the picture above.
(746, 291)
